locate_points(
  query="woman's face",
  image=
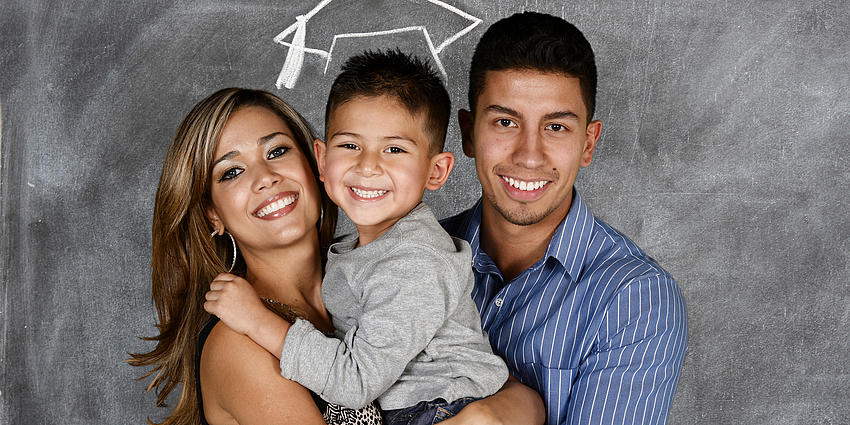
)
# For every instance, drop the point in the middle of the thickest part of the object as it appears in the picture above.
(263, 190)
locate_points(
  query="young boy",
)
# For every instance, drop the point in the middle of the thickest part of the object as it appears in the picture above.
(398, 290)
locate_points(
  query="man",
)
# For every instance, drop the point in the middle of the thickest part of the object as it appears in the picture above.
(575, 308)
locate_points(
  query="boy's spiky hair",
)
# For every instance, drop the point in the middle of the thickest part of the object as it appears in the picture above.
(405, 77)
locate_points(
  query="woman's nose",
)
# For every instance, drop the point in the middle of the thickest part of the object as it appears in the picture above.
(266, 178)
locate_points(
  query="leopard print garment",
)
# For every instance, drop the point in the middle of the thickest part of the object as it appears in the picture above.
(338, 415)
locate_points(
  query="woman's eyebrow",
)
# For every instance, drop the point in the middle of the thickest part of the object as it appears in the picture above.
(260, 141)
(225, 157)
(268, 137)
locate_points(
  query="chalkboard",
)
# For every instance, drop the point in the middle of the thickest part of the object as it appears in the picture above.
(724, 154)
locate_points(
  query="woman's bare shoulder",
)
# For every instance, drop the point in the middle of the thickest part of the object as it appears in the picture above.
(241, 382)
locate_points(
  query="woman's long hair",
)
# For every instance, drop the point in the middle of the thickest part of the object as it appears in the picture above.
(185, 258)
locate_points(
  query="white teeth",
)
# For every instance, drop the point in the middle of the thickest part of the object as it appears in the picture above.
(276, 205)
(368, 193)
(525, 185)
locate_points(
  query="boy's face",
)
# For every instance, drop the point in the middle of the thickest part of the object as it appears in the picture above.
(376, 162)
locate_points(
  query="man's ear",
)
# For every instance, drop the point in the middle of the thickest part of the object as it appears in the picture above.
(215, 221)
(441, 166)
(466, 122)
(591, 136)
(320, 149)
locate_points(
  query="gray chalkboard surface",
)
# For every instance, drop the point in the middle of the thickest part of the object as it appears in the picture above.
(724, 154)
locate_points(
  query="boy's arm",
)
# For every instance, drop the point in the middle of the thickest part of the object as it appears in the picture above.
(402, 308)
(515, 403)
(235, 302)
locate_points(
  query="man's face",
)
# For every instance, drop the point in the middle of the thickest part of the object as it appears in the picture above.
(529, 134)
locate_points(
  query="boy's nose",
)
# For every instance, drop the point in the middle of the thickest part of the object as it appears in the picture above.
(368, 164)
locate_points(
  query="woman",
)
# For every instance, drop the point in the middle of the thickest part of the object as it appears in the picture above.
(240, 167)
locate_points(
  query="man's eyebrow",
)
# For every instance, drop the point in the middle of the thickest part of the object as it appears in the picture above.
(561, 115)
(503, 110)
(260, 141)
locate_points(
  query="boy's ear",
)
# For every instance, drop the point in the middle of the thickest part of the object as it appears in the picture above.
(215, 221)
(441, 166)
(319, 149)
(466, 122)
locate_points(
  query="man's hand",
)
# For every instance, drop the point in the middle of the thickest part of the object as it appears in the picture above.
(514, 404)
(474, 414)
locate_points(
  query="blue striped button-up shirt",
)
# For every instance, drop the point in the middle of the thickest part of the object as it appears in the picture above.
(596, 326)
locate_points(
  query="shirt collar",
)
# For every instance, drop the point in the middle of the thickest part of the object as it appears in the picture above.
(571, 240)
(569, 243)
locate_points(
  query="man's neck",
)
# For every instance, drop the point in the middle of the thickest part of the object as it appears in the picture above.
(513, 247)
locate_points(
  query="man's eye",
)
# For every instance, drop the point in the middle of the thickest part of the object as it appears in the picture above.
(278, 151)
(394, 149)
(504, 122)
(556, 127)
(230, 174)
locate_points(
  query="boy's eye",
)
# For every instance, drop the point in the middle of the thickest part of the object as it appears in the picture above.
(394, 149)
(348, 146)
(278, 151)
(504, 122)
(556, 127)
(231, 173)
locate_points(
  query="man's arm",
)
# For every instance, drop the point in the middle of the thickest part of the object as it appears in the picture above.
(641, 343)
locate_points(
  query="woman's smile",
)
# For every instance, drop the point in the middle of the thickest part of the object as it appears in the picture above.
(277, 206)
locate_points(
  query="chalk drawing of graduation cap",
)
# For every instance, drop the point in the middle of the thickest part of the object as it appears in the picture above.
(297, 48)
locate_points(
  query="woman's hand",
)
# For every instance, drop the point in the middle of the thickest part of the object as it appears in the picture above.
(235, 302)
(514, 404)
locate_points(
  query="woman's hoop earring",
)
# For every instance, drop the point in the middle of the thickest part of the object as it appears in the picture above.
(233, 242)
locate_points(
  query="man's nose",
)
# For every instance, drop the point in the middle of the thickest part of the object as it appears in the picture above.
(528, 152)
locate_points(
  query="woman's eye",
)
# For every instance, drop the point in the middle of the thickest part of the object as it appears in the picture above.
(504, 122)
(394, 149)
(278, 151)
(230, 174)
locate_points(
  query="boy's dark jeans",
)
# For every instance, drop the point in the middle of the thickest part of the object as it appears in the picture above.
(425, 412)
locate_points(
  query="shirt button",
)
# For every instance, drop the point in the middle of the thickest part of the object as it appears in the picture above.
(498, 302)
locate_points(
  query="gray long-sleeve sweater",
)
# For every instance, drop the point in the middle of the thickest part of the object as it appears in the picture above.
(408, 329)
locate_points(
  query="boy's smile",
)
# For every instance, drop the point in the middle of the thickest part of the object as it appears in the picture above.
(376, 163)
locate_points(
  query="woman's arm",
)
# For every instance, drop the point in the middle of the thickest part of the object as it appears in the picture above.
(241, 383)
(514, 404)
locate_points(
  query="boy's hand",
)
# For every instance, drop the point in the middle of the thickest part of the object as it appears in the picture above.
(235, 302)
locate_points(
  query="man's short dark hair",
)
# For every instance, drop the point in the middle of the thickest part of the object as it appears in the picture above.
(405, 77)
(539, 42)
